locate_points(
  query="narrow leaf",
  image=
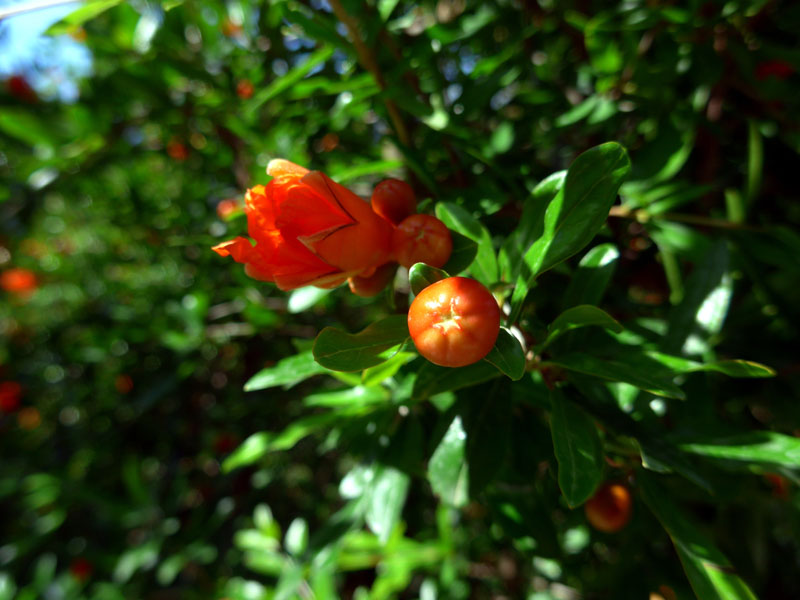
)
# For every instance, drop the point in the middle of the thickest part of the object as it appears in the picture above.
(447, 468)
(763, 448)
(702, 311)
(288, 372)
(421, 276)
(579, 316)
(613, 370)
(578, 450)
(432, 379)
(591, 278)
(341, 351)
(484, 268)
(507, 355)
(464, 251)
(710, 574)
(388, 491)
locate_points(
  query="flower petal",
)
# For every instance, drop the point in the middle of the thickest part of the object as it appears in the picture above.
(280, 167)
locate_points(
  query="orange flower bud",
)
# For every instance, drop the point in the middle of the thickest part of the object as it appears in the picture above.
(394, 200)
(309, 230)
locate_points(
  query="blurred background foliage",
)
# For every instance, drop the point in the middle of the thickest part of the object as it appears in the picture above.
(127, 139)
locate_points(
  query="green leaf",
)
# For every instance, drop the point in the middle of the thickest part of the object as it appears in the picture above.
(26, 127)
(433, 379)
(484, 268)
(296, 539)
(387, 495)
(421, 276)
(702, 311)
(766, 449)
(710, 574)
(447, 467)
(579, 316)
(614, 370)
(530, 227)
(507, 355)
(79, 16)
(258, 445)
(464, 251)
(285, 82)
(341, 351)
(576, 213)
(288, 372)
(301, 299)
(488, 427)
(357, 395)
(732, 368)
(591, 278)
(379, 373)
(578, 450)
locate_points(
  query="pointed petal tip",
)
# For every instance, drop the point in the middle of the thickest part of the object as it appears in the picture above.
(280, 167)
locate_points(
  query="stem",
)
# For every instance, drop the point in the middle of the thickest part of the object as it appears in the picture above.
(367, 59)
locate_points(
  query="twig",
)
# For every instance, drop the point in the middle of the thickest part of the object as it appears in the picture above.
(368, 61)
(642, 216)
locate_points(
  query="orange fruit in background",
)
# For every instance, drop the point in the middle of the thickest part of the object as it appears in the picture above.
(609, 510)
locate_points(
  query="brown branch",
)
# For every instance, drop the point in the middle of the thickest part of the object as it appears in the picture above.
(641, 215)
(367, 59)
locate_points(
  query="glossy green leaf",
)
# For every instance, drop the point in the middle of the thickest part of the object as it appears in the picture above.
(507, 355)
(576, 317)
(710, 574)
(379, 373)
(578, 450)
(80, 15)
(421, 276)
(387, 496)
(287, 372)
(591, 278)
(577, 212)
(296, 539)
(463, 254)
(433, 379)
(447, 467)
(702, 311)
(484, 268)
(341, 351)
(258, 445)
(617, 370)
(764, 449)
(488, 426)
(301, 299)
(530, 227)
(356, 395)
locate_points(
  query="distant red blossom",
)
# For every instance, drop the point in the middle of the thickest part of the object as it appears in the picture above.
(244, 89)
(18, 281)
(780, 69)
(10, 395)
(19, 87)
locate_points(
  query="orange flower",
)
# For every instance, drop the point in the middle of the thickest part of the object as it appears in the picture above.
(309, 230)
